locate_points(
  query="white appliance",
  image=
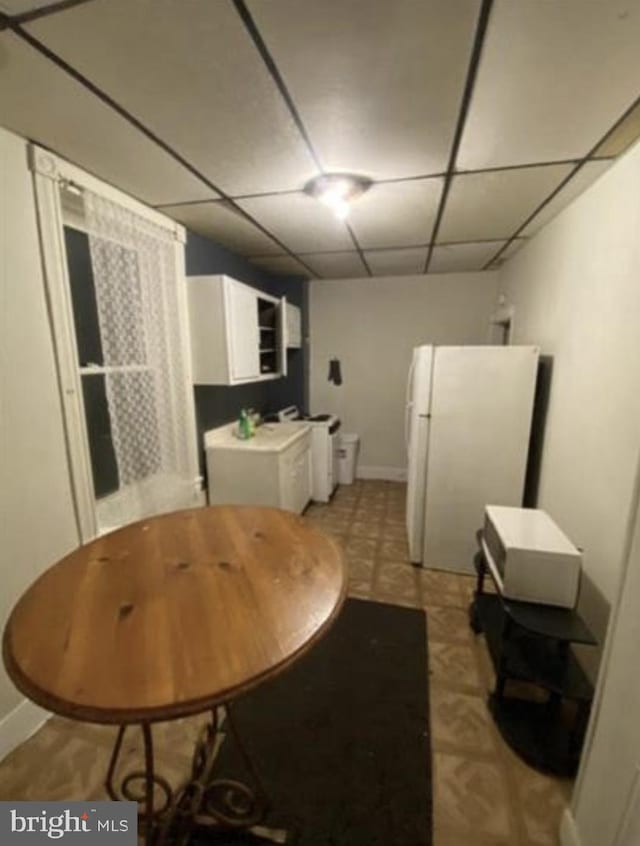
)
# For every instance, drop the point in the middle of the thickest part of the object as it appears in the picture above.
(324, 450)
(468, 418)
(530, 558)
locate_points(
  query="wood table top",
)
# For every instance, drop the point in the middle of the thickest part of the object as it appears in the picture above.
(174, 614)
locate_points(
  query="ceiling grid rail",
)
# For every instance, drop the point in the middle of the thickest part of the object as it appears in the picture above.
(17, 24)
(402, 179)
(226, 199)
(269, 61)
(472, 72)
(579, 165)
(259, 42)
(41, 12)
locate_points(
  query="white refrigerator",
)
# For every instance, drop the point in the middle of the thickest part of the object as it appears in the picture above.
(467, 426)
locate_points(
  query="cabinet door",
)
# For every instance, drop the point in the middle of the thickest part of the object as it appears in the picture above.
(294, 332)
(243, 333)
(302, 481)
(295, 477)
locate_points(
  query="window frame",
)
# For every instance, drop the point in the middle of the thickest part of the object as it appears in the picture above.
(49, 172)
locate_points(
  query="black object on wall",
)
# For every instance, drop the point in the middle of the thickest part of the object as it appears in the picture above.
(538, 425)
(335, 371)
(218, 404)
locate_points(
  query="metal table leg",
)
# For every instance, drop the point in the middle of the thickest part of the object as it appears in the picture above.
(205, 801)
(144, 793)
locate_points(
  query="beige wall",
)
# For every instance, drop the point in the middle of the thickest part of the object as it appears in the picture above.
(575, 289)
(576, 292)
(372, 325)
(37, 523)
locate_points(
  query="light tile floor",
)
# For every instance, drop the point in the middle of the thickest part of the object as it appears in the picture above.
(483, 794)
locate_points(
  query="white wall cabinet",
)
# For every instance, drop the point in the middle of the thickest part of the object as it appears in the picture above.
(237, 332)
(241, 328)
(272, 468)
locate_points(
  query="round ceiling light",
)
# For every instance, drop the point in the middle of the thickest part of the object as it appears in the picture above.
(337, 190)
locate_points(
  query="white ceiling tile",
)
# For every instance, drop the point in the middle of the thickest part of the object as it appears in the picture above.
(191, 73)
(214, 220)
(304, 224)
(553, 78)
(378, 83)
(396, 262)
(396, 214)
(347, 265)
(19, 7)
(458, 258)
(587, 174)
(44, 104)
(280, 264)
(482, 206)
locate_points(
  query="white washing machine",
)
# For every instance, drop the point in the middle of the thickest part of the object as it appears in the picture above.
(324, 450)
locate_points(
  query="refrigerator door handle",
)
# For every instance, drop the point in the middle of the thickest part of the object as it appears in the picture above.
(407, 394)
(407, 419)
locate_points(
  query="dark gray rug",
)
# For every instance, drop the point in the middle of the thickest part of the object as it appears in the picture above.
(341, 740)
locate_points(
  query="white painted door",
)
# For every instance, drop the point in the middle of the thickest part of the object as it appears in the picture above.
(606, 804)
(244, 335)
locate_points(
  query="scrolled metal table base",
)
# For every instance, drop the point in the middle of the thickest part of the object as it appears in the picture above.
(204, 801)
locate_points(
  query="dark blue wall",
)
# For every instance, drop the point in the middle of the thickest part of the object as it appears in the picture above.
(218, 404)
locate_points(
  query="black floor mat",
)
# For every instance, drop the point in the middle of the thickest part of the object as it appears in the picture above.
(341, 739)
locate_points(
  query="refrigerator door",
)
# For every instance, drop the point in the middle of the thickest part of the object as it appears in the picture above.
(417, 442)
(482, 401)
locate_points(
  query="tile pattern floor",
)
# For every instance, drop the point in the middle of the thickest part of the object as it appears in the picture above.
(483, 794)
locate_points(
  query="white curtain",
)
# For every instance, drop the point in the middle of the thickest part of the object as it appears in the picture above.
(134, 270)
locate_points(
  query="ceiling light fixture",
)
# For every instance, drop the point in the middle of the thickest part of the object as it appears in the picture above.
(337, 190)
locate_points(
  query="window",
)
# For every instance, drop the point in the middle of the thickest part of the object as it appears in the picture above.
(116, 284)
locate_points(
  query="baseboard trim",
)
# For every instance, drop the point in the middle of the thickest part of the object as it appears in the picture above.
(568, 830)
(389, 474)
(19, 724)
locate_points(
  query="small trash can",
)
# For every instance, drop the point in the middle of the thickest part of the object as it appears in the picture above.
(347, 458)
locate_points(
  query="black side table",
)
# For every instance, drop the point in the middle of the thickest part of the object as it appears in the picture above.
(529, 642)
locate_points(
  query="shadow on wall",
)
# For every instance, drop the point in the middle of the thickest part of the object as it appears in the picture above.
(538, 426)
(591, 603)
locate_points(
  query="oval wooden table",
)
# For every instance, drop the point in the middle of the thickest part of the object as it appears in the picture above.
(173, 616)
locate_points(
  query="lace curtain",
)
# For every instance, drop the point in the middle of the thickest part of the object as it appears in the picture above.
(133, 264)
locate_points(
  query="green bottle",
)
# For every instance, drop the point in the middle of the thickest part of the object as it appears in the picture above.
(244, 426)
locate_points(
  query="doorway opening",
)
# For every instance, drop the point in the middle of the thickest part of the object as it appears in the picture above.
(501, 332)
(501, 327)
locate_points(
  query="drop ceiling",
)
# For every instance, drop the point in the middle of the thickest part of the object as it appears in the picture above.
(477, 121)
